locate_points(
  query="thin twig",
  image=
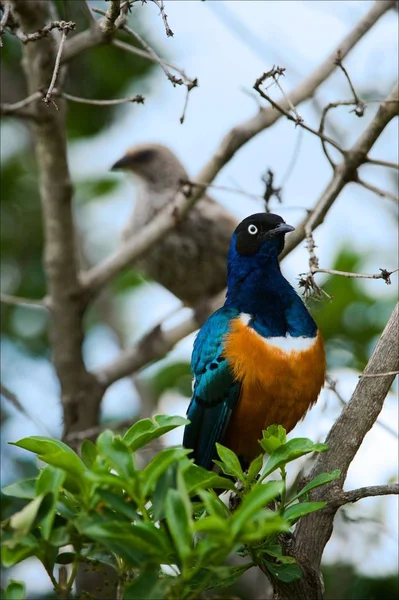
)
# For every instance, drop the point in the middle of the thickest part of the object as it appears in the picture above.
(331, 384)
(360, 105)
(139, 99)
(385, 275)
(275, 75)
(225, 188)
(164, 16)
(382, 163)
(376, 190)
(12, 398)
(41, 33)
(9, 109)
(380, 374)
(47, 99)
(28, 302)
(322, 125)
(364, 492)
(92, 432)
(292, 118)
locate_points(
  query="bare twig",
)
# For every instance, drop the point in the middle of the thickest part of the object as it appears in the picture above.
(326, 109)
(65, 30)
(164, 16)
(331, 384)
(76, 437)
(18, 109)
(360, 105)
(270, 190)
(376, 190)
(138, 98)
(382, 163)
(298, 121)
(364, 492)
(387, 374)
(155, 344)
(107, 24)
(385, 275)
(28, 302)
(12, 398)
(41, 33)
(344, 172)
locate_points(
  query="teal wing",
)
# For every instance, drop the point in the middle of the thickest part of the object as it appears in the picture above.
(215, 392)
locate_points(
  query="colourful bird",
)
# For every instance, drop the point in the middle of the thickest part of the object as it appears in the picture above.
(259, 359)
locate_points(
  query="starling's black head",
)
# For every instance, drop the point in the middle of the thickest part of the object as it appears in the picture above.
(258, 232)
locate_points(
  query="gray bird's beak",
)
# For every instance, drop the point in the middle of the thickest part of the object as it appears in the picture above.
(122, 163)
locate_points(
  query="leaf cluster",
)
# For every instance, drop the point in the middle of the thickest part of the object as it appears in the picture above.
(162, 525)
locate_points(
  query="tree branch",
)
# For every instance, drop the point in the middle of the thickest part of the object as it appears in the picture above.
(100, 275)
(345, 171)
(344, 440)
(154, 345)
(364, 492)
(81, 392)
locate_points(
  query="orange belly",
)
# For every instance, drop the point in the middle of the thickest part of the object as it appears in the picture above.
(278, 386)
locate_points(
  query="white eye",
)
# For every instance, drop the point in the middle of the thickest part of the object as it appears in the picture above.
(252, 229)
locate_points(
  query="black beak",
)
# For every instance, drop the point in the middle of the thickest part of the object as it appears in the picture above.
(122, 163)
(284, 228)
(281, 229)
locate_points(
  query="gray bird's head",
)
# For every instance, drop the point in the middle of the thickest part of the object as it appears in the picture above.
(153, 163)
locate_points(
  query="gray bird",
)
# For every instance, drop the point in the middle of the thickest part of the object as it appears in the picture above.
(190, 261)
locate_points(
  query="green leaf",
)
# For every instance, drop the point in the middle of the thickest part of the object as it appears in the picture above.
(60, 536)
(258, 497)
(273, 437)
(53, 452)
(43, 445)
(295, 512)
(215, 526)
(117, 454)
(290, 451)
(89, 453)
(213, 504)
(13, 553)
(23, 520)
(179, 520)
(254, 468)
(15, 590)
(148, 585)
(21, 489)
(217, 577)
(321, 479)
(197, 478)
(49, 482)
(119, 503)
(135, 543)
(158, 465)
(229, 463)
(284, 572)
(166, 481)
(145, 431)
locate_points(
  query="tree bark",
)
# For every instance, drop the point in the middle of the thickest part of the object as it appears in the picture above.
(344, 439)
(81, 392)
